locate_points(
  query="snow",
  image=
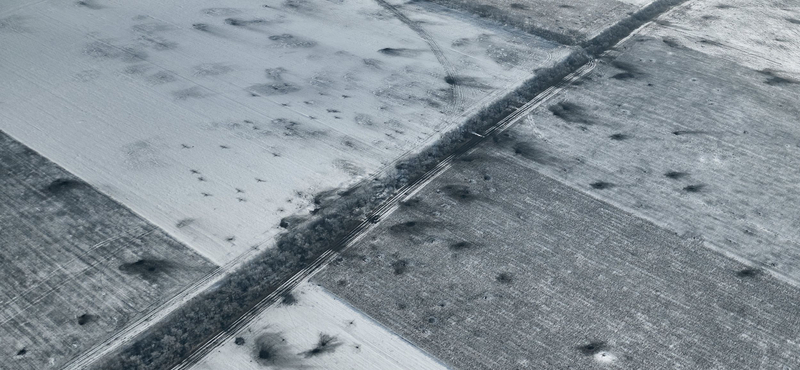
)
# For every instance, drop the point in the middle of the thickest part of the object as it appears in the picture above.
(214, 120)
(360, 342)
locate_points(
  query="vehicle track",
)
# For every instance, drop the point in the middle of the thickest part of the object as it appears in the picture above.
(456, 90)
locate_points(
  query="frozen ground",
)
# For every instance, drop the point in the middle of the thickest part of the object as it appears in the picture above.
(284, 336)
(694, 142)
(569, 21)
(216, 119)
(761, 35)
(495, 266)
(75, 266)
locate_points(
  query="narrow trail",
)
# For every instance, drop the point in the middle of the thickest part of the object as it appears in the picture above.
(456, 90)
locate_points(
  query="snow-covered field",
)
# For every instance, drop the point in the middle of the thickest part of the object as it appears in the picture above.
(215, 122)
(285, 336)
(757, 34)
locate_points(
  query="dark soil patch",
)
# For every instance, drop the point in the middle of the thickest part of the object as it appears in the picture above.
(22, 352)
(592, 348)
(239, 341)
(326, 344)
(619, 137)
(793, 21)
(724, 6)
(519, 6)
(87, 319)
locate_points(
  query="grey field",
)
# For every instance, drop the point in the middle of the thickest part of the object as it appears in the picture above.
(494, 266)
(76, 265)
(173, 179)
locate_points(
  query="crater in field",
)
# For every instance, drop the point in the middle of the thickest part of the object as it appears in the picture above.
(675, 175)
(400, 267)
(592, 348)
(326, 344)
(288, 299)
(239, 341)
(774, 79)
(460, 193)
(570, 112)
(461, 246)
(290, 41)
(600, 185)
(278, 88)
(671, 42)
(630, 71)
(505, 278)
(695, 188)
(87, 319)
(409, 227)
(271, 349)
(147, 268)
(220, 12)
(89, 4)
(400, 52)
(529, 151)
(749, 272)
(60, 186)
(238, 22)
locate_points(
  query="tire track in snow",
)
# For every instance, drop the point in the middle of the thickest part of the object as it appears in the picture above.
(455, 88)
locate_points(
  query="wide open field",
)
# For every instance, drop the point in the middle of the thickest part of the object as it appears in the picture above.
(694, 142)
(217, 119)
(75, 266)
(494, 266)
